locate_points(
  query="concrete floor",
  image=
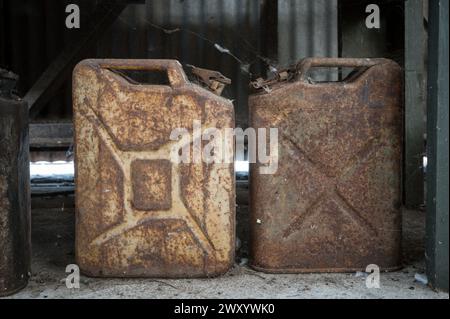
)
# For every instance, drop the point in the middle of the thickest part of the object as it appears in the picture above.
(53, 236)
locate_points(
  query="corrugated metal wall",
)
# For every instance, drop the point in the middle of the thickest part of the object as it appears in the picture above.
(192, 31)
(307, 28)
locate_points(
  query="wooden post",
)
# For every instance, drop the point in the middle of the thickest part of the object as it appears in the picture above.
(437, 150)
(414, 104)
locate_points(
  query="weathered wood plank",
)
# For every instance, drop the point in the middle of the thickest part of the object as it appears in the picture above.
(49, 135)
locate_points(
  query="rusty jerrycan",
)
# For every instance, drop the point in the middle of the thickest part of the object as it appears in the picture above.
(15, 237)
(333, 204)
(139, 213)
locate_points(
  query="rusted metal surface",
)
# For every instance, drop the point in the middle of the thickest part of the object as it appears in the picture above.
(334, 203)
(281, 76)
(213, 80)
(138, 214)
(14, 196)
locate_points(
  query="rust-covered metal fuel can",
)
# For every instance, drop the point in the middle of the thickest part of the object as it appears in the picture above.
(15, 240)
(139, 213)
(333, 204)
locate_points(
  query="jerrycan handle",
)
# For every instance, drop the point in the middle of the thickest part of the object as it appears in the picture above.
(304, 66)
(175, 73)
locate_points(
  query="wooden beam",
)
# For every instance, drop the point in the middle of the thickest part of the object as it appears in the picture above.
(60, 69)
(51, 135)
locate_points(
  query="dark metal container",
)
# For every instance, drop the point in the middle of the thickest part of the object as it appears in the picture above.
(14, 196)
(139, 214)
(334, 203)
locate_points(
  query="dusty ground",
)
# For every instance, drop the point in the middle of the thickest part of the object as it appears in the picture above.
(53, 237)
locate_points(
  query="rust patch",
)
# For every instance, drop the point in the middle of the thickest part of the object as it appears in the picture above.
(333, 204)
(151, 183)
